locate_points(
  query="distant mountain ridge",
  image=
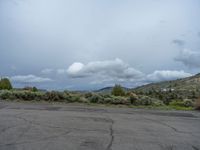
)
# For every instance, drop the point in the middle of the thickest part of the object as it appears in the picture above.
(187, 84)
(108, 90)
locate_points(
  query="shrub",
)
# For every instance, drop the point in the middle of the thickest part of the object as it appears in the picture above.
(107, 100)
(21, 95)
(118, 91)
(145, 100)
(83, 100)
(87, 95)
(157, 102)
(120, 100)
(74, 98)
(94, 98)
(133, 98)
(32, 89)
(5, 84)
(54, 96)
(182, 103)
(188, 103)
(178, 103)
(35, 89)
(6, 95)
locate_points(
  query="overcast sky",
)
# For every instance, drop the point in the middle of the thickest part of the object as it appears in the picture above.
(89, 44)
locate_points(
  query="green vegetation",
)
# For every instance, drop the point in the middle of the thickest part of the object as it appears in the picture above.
(129, 99)
(5, 84)
(33, 89)
(182, 105)
(167, 91)
(149, 96)
(118, 90)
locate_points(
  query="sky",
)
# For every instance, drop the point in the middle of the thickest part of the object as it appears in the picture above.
(90, 44)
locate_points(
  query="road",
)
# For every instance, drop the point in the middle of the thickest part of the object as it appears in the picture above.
(28, 126)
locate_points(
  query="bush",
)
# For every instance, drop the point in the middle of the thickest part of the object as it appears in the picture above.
(5, 84)
(178, 103)
(21, 95)
(32, 89)
(87, 95)
(133, 98)
(35, 89)
(157, 102)
(94, 98)
(120, 100)
(54, 96)
(145, 100)
(83, 100)
(6, 95)
(188, 103)
(107, 100)
(182, 103)
(118, 91)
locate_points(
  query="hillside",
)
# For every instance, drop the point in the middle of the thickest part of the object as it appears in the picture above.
(108, 90)
(181, 88)
(190, 83)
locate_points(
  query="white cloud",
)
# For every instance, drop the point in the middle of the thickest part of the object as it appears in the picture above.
(47, 71)
(61, 71)
(189, 58)
(53, 71)
(29, 79)
(75, 69)
(115, 70)
(164, 75)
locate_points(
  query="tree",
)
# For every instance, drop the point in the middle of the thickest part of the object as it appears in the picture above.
(5, 84)
(118, 90)
(34, 89)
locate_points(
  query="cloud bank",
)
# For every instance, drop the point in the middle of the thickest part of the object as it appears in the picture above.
(29, 79)
(109, 69)
(189, 58)
(117, 70)
(47, 71)
(165, 75)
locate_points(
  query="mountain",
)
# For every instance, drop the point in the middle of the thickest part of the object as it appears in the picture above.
(108, 90)
(185, 87)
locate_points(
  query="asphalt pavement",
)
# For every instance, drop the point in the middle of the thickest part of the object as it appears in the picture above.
(29, 126)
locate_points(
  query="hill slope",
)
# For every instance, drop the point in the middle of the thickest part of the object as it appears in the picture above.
(187, 87)
(108, 90)
(190, 83)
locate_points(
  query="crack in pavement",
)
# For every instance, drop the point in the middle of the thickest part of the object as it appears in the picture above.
(109, 147)
(195, 148)
(167, 125)
(6, 129)
(38, 124)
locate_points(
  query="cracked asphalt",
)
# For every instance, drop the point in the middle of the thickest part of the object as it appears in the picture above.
(28, 126)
